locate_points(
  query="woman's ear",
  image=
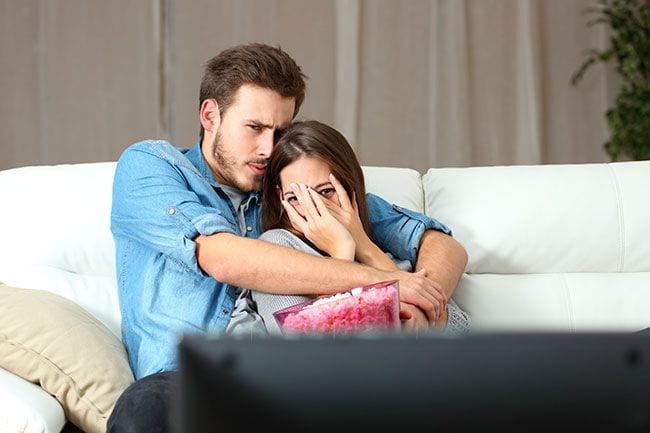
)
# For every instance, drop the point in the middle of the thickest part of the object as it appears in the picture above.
(278, 191)
(209, 115)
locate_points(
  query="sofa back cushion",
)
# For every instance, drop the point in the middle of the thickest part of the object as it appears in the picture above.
(55, 231)
(547, 218)
(400, 186)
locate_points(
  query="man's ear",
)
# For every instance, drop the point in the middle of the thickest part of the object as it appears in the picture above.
(209, 115)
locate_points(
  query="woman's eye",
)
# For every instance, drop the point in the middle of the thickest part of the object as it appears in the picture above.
(327, 192)
(293, 199)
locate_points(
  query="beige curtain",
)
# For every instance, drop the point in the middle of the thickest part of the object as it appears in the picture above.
(482, 82)
(412, 83)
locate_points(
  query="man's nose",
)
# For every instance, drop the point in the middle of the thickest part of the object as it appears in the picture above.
(265, 144)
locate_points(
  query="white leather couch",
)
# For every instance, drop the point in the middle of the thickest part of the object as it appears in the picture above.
(551, 247)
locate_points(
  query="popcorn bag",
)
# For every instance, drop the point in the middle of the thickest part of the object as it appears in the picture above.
(374, 307)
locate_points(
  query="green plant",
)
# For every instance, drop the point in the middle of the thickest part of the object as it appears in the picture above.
(629, 119)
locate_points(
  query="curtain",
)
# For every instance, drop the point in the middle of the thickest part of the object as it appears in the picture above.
(410, 83)
(483, 82)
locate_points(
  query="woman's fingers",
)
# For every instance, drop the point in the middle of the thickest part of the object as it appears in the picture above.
(306, 203)
(319, 202)
(297, 221)
(354, 202)
(334, 209)
(341, 192)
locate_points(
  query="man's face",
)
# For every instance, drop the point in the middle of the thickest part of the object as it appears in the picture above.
(244, 139)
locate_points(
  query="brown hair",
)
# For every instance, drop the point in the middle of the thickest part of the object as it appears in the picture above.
(315, 140)
(258, 64)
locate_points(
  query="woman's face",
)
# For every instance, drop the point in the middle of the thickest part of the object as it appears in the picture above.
(309, 171)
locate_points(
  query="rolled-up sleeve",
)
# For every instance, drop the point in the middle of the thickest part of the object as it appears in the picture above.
(398, 230)
(153, 204)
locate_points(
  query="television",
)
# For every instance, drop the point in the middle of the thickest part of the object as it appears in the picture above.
(512, 382)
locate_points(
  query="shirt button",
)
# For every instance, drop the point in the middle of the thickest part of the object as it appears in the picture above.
(224, 311)
(171, 211)
(249, 228)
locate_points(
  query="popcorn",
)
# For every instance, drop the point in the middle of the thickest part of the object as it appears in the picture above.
(372, 307)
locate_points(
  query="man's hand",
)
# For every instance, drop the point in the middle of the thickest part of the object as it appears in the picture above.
(417, 289)
(318, 225)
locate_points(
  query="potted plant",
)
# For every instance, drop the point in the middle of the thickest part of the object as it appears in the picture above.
(629, 119)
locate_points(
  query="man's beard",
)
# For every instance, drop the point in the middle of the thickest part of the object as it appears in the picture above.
(227, 167)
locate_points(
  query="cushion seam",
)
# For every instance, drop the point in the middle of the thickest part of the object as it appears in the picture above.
(569, 302)
(621, 220)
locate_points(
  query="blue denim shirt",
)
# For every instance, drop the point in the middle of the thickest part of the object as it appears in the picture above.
(163, 198)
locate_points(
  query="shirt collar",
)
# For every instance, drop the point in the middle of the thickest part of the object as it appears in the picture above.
(195, 156)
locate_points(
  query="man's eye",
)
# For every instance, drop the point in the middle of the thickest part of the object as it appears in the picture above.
(255, 127)
(327, 192)
(277, 134)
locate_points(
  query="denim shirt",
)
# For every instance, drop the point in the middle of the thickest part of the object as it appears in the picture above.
(163, 198)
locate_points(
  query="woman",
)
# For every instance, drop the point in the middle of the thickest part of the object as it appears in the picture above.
(314, 200)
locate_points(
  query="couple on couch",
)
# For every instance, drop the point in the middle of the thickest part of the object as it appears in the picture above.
(186, 224)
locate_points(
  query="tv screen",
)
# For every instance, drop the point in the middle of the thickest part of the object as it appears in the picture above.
(405, 383)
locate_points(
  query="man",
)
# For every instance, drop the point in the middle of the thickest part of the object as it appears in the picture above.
(185, 223)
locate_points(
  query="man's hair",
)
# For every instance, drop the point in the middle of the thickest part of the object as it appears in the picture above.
(257, 64)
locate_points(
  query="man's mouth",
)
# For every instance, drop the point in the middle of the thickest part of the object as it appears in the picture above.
(257, 169)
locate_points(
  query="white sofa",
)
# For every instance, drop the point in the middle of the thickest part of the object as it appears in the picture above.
(551, 247)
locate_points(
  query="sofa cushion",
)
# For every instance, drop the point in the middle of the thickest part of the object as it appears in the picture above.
(56, 234)
(571, 302)
(546, 218)
(65, 350)
(400, 186)
(27, 408)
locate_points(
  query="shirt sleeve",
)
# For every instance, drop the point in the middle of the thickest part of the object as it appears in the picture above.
(154, 204)
(398, 230)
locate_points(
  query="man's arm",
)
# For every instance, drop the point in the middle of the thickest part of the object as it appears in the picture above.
(444, 259)
(259, 265)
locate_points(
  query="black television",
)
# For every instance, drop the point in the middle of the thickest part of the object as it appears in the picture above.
(502, 382)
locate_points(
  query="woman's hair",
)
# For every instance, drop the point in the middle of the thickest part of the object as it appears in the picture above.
(314, 140)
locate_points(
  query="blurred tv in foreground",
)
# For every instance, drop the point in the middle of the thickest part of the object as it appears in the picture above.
(399, 383)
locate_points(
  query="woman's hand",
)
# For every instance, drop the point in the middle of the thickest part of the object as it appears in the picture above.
(413, 319)
(318, 225)
(347, 213)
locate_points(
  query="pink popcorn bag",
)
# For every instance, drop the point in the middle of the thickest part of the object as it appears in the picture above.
(374, 307)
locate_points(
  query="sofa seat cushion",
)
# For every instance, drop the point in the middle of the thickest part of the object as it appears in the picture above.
(26, 407)
(564, 302)
(66, 351)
